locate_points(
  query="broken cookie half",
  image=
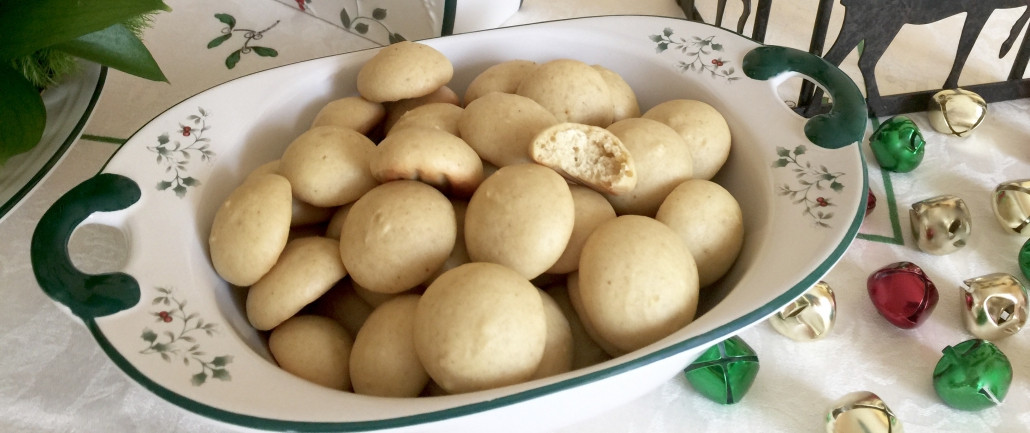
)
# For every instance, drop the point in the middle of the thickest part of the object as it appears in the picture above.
(589, 155)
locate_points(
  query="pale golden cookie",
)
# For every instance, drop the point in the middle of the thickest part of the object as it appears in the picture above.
(429, 156)
(328, 166)
(709, 220)
(383, 361)
(397, 235)
(591, 209)
(558, 349)
(459, 254)
(571, 90)
(624, 100)
(403, 70)
(585, 351)
(503, 77)
(480, 326)
(702, 127)
(662, 160)
(576, 300)
(396, 110)
(344, 306)
(307, 268)
(244, 248)
(521, 217)
(437, 115)
(313, 348)
(501, 126)
(637, 282)
(352, 112)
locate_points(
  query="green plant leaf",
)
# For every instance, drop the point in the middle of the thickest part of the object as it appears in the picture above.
(116, 47)
(27, 26)
(265, 51)
(22, 113)
(218, 41)
(233, 59)
(227, 19)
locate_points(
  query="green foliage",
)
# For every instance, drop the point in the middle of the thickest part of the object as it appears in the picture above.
(38, 40)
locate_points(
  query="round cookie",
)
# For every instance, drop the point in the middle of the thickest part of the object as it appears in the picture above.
(307, 268)
(396, 110)
(328, 166)
(383, 361)
(352, 112)
(571, 90)
(313, 348)
(403, 70)
(430, 156)
(702, 127)
(437, 115)
(558, 348)
(662, 160)
(709, 220)
(503, 77)
(244, 248)
(591, 209)
(501, 126)
(585, 351)
(576, 299)
(302, 213)
(637, 282)
(624, 100)
(480, 326)
(459, 254)
(344, 306)
(521, 217)
(397, 235)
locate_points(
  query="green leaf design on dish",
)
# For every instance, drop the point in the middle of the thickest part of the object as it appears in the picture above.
(175, 155)
(812, 183)
(702, 54)
(362, 25)
(178, 338)
(249, 35)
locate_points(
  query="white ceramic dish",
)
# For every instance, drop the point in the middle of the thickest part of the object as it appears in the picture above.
(68, 107)
(172, 325)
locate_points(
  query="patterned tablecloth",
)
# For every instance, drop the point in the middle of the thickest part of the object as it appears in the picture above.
(54, 378)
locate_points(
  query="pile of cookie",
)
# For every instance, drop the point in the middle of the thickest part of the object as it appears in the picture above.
(414, 242)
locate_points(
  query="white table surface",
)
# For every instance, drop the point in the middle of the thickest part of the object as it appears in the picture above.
(54, 378)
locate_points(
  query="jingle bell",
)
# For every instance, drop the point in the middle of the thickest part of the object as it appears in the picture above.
(862, 412)
(724, 372)
(903, 294)
(1011, 203)
(870, 203)
(956, 111)
(810, 316)
(972, 375)
(1024, 259)
(995, 306)
(941, 225)
(897, 144)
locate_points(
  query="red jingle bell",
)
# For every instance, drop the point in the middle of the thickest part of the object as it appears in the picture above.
(903, 294)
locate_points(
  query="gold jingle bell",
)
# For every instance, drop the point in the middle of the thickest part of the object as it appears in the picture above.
(941, 225)
(810, 316)
(956, 111)
(995, 306)
(862, 412)
(1011, 203)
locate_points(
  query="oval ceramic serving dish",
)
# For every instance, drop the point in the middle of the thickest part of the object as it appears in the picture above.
(172, 325)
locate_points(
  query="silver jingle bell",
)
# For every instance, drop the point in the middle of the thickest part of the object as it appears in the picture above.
(941, 225)
(1011, 203)
(956, 111)
(995, 306)
(810, 316)
(862, 412)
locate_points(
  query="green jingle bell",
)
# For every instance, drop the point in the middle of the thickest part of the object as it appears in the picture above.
(724, 372)
(862, 412)
(972, 375)
(995, 306)
(1024, 259)
(898, 145)
(956, 111)
(810, 316)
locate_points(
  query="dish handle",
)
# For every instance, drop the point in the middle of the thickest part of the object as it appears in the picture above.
(88, 296)
(846, 122)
